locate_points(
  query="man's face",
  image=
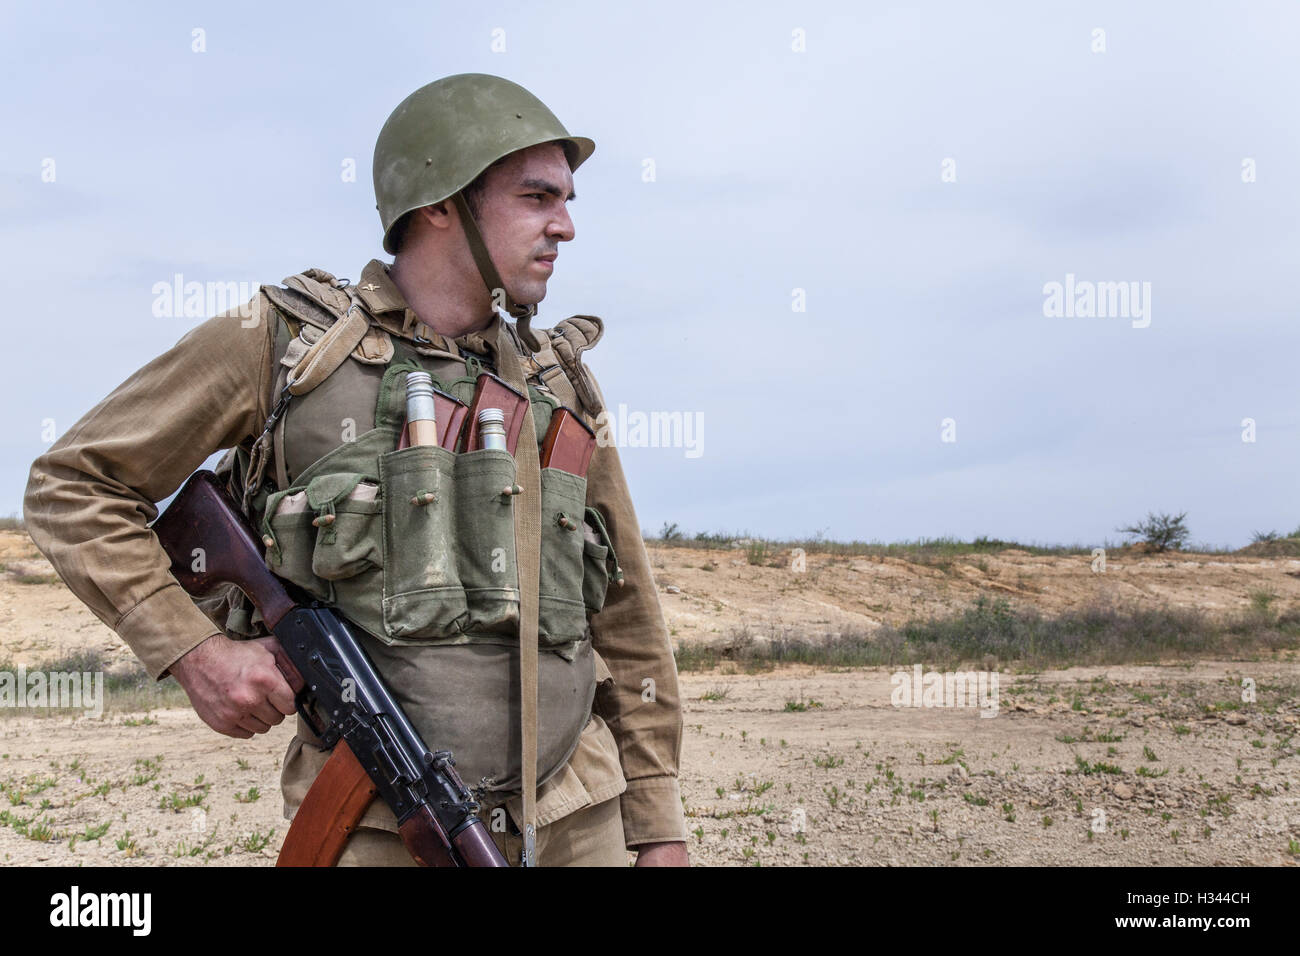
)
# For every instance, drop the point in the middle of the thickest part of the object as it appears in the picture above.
(523, 218)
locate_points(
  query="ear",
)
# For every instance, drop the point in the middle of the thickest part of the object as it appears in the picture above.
(440, 215)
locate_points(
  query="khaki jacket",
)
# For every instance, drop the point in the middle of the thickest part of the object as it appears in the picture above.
(90, 496)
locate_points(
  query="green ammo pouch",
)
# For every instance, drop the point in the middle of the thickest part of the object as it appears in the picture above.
(426, 553)
(561, 614)
(346, 509)
(600, 563)
(485, 540)
(290, 539)
(423, 597)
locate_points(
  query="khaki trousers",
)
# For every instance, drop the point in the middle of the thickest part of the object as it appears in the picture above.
(592, 836)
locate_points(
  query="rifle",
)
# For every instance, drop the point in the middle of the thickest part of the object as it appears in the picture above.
(435, 811)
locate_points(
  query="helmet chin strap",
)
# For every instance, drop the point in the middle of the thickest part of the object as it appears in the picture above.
(488, 270)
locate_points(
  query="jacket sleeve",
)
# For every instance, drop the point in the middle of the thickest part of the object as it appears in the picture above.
(643, 707)
(90, 496)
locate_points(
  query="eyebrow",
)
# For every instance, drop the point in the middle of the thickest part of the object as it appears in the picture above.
(547, 187)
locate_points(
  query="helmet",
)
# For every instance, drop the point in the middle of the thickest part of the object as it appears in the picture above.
(444, 134)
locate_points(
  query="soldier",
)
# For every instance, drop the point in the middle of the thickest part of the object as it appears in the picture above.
(557, 693)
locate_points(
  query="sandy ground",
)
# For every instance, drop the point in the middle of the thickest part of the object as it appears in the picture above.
(1132, 765)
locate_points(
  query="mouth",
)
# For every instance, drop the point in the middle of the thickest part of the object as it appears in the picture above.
(546, 262)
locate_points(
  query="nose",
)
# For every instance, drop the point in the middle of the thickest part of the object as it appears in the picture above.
(561, 226)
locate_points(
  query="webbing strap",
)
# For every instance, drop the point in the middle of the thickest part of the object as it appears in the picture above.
(318, 363)
(329, 351)
(486, 267)
(277, 435)
(528, 552)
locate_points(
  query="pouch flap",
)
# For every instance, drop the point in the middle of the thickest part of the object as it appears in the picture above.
(329, 490)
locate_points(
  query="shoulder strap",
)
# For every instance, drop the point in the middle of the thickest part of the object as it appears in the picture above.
(528, 533)
(559, 350)
(315, 298)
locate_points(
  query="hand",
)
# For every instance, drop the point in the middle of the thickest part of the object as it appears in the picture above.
(662, 854)
(235, 686)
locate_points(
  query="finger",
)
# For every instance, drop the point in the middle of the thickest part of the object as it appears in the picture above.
(267, 714)
(282, 662)
(253, 725)
(281, 696)
(282, 699)
(227, 728)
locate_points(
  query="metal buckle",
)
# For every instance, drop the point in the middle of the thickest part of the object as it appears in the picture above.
(278, 410)
(482, 359)
(529, 855)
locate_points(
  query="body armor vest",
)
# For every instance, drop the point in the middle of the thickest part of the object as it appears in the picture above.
(416, 546)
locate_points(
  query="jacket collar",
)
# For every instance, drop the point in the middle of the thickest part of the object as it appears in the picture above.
(384, 301)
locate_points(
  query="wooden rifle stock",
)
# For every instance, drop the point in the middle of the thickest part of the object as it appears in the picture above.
(227, 551)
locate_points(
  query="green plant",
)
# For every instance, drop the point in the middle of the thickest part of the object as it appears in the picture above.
(255, 842)
(1088, 769)
(1161, 532)
(1260, 599)
(178, 802)
(670, 532)
(94, 833)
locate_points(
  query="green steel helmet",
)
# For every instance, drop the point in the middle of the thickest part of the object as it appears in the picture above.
(444, 134)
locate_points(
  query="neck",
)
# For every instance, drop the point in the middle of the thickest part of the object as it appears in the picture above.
(447, 295)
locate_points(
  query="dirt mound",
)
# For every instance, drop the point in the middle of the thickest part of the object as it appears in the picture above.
(1277, 548)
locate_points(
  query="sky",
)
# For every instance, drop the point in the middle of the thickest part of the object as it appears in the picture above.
(823, 233)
